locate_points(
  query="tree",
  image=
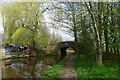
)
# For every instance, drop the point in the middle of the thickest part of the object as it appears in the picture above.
(94, 21)
(98, 28)
(25, 26)
(65, 17)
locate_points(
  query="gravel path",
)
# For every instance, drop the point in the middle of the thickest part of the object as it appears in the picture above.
(68, 71)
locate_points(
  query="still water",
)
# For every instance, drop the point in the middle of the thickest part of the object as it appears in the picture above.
(33, 67)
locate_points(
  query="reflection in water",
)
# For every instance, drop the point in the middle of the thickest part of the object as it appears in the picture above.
(32, 67)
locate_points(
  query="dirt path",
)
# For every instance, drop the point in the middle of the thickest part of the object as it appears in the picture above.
(68, 71)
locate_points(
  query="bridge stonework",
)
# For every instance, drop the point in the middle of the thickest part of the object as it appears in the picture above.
(60, 47)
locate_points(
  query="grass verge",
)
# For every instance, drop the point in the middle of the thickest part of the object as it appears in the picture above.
(54, 72)
(88, 70)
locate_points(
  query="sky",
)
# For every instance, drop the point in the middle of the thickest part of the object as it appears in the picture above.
(1, 26)
(64, 36)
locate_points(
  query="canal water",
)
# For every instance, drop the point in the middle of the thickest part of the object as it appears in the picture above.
(32, 67)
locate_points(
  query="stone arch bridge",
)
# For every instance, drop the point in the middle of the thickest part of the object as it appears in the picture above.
(61, 47)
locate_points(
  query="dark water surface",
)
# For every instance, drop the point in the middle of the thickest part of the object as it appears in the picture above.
(32, 67)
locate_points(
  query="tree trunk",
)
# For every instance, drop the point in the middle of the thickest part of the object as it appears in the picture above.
(106, 39)
(117, 50)
(97, 35)
(74, 28)
(99, 58)
(101, 32)
(106, 32)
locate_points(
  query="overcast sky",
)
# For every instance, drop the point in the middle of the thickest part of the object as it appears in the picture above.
(65, 36)
(1, 26)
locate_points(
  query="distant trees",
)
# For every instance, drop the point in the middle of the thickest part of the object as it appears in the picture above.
(55, 38)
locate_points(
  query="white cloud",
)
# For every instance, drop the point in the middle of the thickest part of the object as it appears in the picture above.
(65, 36)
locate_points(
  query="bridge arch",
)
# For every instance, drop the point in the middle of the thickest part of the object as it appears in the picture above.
(63, 51)
(61, 47)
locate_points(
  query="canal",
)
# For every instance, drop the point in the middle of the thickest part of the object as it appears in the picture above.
(32, 67)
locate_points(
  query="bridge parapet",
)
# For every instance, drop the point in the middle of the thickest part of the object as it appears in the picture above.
(60, 47)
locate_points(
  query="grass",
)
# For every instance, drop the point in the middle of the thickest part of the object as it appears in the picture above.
(70, 51)
(89, 70)
(54, 72)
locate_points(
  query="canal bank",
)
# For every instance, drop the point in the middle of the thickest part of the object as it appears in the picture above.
(55, 71)
(31, 67)
(27, 56)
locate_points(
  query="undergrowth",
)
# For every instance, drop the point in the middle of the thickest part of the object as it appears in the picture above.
(87, 69)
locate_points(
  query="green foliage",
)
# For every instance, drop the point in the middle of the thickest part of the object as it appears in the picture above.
(70, 51)
(88, 69)
(54, 72)
(19, 36)
(86, 45)
(24, 26)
